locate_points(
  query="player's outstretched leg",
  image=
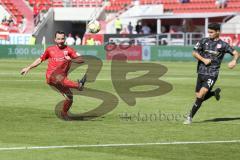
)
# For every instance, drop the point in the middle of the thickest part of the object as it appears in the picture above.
(215, 93)
(77, 85)
(209, 95)
(82, 82)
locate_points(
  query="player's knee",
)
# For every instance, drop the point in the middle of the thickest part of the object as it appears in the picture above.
(202, 93)
(205, 90)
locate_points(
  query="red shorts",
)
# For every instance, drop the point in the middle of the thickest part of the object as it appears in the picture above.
(62, 84)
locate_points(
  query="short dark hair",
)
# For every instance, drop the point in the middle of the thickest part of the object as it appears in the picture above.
(59, 32)
(214, 26)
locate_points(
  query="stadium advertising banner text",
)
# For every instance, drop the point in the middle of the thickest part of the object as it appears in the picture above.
(171, 53)
(20, 51)
(146, 53)
(175, 53)
(34, 51)
(133, 53)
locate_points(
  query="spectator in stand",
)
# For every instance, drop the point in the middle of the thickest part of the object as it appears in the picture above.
(10, 24)
(118, 25)
(78, 40)
(146, 29)
(130, 28)
(138, 28)
(90, 41)
(13, 28)
(10, 20)
(4, 19)
(32, 40)
(70, 40)
(221, 3)
(5, 23)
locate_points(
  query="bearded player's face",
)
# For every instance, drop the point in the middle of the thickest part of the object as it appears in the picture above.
(60, 39)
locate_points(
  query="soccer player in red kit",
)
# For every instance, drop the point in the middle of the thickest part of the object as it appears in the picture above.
(59, 62)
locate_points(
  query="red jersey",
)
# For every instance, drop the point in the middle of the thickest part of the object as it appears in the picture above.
(58, 60)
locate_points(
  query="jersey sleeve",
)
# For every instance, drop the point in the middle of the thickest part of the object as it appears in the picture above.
(199, 46)
(45, 55)
(73, 54)
(228, 49)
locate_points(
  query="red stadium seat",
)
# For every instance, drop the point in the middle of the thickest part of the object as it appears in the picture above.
(199, 6)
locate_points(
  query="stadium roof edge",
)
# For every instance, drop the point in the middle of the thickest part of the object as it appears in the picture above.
(183, 15)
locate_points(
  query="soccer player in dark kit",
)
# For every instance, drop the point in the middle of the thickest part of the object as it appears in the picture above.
(209, 52)
(59, 58)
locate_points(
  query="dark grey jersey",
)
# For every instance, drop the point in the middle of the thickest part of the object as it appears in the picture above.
(214, 50)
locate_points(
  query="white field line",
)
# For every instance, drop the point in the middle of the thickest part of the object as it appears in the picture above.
(116, 145)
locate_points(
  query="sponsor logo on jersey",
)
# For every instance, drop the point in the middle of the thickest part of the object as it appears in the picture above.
(215, 53)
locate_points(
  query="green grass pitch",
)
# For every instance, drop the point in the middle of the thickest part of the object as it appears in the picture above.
(28, 119)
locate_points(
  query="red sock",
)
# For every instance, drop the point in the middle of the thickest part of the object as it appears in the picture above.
(70, 84)
(67, 104)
